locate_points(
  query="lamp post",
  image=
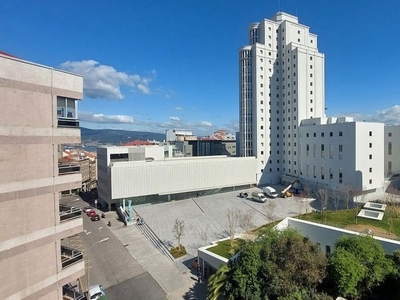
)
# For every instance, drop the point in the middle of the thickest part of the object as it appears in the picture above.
(98, 242)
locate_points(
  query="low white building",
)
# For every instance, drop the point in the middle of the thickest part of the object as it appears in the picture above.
(335, 152)
(323, 235)
(150, 174)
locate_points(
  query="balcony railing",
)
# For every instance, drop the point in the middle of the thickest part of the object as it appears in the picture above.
(69, 212)
(70, 256)
(68, 169)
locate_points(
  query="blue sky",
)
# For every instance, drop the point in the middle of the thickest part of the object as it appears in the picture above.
(155, 65)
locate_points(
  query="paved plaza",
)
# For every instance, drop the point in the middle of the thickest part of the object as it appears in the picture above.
(205, 217)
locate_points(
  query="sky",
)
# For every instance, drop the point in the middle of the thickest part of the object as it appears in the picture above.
(155, 65)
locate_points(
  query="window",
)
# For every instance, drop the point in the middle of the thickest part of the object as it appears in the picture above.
(322, 134)
(390, 148)
(262, 152)
(322, 150)
(340, 151)
(315, 134)
(370, 145)
(370, 181)
(370, 156)
(322, 172)
(310, 57)
(331, 133)
(340, 133)
(370, 170)
(370, 133)
(330, 174)
(340, 175)
(389, 134)
(314, 149)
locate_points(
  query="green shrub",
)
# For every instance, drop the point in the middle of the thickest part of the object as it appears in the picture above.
(176, 252)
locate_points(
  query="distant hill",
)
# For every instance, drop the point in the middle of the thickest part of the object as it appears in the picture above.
(116, 137)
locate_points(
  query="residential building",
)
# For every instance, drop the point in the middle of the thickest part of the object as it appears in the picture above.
(153, 174)
(39, 115)
(282, 100)
(209, 146)
(179, 135)
(392, 150)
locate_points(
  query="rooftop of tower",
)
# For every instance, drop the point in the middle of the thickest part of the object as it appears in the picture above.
(282, 16)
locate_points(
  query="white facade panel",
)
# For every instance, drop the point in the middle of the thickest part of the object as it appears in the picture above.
(392, 150)
(130, 179)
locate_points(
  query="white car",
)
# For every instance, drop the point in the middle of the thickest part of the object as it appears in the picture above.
(87, 209)
(95, 292)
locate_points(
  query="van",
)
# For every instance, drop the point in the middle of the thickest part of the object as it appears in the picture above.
(270, 192)
(258, 197)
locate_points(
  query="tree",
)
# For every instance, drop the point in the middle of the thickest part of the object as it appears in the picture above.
(336, 197)
(357, 265)
(179, 231)
(278, 264)
(346, 192)
(323, 198)
(232, 220)
(269, 210)
(307, 193)
(218, 283)
(246, 220)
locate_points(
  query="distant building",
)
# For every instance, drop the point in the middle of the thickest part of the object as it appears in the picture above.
(179, 135)
(210, 147)
(39, 115)
(139, 143)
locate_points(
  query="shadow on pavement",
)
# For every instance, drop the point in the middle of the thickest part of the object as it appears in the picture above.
(197, 291)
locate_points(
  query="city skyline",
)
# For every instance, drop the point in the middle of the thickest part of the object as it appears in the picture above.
(160, 66)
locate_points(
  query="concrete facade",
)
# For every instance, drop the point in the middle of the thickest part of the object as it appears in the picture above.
(282, 114)
(338, 152)
(392, 150)
(157, 174)
(32, 97)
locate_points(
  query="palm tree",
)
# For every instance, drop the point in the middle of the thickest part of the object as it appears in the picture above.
(216, 287)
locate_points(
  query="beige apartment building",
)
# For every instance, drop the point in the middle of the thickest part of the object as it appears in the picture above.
(38, 115)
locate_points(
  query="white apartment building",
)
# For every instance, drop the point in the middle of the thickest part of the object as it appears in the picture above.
(282, 93)
(335, 152)
(392, 150)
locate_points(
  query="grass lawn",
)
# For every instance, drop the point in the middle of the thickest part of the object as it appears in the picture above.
(224, 248)
(346, 219)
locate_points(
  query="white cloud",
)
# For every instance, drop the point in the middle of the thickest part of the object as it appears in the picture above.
(101, 118)
(178, 108)
(389, 116)
(175, 119)
(101, 81)
(204, 124)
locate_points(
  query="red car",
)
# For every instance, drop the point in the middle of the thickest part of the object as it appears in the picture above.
(91, 213)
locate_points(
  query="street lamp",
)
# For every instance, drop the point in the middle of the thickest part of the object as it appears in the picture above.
(98, 242)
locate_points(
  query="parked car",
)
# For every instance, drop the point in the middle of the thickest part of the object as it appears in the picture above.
(86, 209)
(91, 213)
(96, 292)
(95, 218)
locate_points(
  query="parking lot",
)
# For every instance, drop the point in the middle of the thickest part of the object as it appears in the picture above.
(205, 217)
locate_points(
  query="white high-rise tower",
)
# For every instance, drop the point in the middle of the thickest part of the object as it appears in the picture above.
(281, 82)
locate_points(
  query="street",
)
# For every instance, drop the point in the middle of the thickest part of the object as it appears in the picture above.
(109, 263)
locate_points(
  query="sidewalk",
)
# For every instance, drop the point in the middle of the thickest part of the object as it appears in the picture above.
(178, 283)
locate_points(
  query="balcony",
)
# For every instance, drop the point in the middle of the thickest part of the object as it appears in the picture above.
(69, 212)
(64, 169)
(70, 256)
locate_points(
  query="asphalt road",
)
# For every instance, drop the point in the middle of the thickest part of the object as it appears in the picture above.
(111, 265)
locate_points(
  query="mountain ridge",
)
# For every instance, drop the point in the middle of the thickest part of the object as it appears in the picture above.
(117, 136)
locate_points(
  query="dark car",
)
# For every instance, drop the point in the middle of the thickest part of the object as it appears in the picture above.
(95, 218)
